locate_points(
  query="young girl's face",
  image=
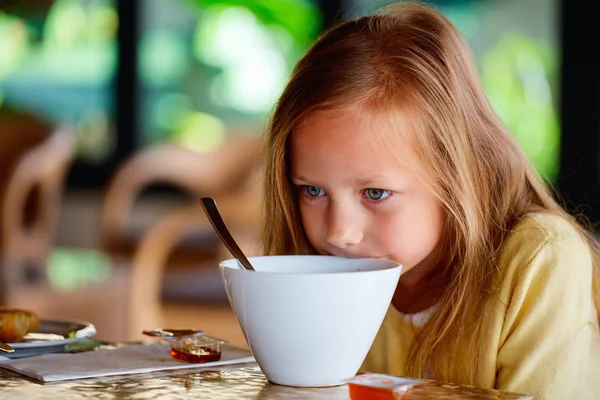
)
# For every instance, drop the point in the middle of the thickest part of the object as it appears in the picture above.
(356, 197)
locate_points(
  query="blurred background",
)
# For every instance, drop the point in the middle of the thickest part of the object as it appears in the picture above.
(116, 116)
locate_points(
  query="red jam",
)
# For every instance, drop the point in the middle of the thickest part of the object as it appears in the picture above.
(205, 354)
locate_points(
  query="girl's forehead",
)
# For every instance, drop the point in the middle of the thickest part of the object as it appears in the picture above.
(359, 130)
(352, 147)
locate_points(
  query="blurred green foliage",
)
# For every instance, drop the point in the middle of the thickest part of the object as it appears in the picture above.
(70, 268)
(298, 17)
(517, 74)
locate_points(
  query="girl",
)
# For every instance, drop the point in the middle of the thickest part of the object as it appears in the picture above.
(383, 144)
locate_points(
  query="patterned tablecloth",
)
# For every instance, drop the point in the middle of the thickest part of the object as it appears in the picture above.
(232, 382)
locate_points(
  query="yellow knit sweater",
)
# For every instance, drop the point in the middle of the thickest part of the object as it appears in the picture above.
(543, 326)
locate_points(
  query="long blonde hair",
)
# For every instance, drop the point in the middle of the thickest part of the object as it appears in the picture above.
(408, 58)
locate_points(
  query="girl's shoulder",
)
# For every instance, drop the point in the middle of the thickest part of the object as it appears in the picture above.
(544, 241)
(544, 309)
(544, 226)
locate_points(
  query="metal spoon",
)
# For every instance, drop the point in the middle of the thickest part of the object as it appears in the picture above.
(6, 347)
(212, 212)
(171, 333)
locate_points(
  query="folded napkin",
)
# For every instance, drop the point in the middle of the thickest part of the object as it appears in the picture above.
(125, 360)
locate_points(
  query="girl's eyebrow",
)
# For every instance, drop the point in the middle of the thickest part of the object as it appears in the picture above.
(373, 180)
(376, 179)
(299, 178)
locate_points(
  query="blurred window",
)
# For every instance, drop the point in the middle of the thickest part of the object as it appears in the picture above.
(208, 67)
(58, 61)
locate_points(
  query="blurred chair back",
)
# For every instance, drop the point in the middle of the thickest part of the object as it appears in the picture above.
(229, 174)
(196, 174)
(34, 159)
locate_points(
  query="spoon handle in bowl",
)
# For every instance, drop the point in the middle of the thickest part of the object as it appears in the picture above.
(214, 216)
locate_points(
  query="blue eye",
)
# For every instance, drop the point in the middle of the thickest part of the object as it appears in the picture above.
(376, 194)
(313, 191)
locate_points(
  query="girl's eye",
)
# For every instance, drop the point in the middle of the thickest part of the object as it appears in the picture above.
(376, 194)
(313, 191)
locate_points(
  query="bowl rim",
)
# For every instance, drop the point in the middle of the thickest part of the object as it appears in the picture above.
(392, 266)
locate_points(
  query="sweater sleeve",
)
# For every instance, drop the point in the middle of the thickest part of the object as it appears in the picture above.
(545, 341)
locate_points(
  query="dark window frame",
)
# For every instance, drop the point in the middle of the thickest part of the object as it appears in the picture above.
(579, 177)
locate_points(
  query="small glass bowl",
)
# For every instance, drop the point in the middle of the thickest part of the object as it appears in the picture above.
(196, 348)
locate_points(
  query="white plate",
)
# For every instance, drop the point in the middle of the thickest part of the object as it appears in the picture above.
(58, 334)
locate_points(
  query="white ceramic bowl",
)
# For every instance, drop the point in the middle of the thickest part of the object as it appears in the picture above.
(310, 320)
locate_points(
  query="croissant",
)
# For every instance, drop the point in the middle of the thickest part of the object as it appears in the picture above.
(14, 324)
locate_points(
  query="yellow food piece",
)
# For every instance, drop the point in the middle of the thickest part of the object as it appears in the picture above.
(14, 324)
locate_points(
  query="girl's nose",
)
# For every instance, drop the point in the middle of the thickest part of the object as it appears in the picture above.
(343, 230)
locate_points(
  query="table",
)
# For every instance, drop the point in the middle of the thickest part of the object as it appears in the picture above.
(244, 381)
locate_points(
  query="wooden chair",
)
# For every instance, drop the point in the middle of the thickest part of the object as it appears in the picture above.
(229, 174)
(242, 215)
(34, 159)
(195, 174)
